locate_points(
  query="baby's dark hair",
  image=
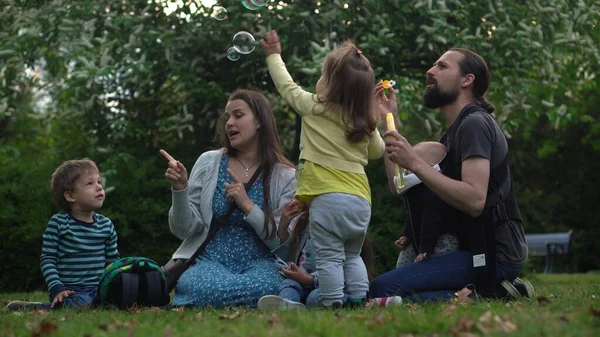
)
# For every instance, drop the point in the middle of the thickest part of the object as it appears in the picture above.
(65, 177)
(302, 224)
(350, 84)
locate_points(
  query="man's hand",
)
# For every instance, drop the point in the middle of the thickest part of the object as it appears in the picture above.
(297, 274)
(271, 43)
(59, 298)
(400, 151)
(176, 173)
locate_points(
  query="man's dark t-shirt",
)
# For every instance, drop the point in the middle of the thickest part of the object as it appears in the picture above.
(478, 135)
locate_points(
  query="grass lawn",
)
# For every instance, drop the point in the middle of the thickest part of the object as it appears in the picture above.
(567, 305)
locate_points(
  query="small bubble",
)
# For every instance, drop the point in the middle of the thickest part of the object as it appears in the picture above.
(219, 13)
(137, 50)
(244, 42)
(233, 54)
(249, 5)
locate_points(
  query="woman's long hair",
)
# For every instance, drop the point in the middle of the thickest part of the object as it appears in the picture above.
(269, 144)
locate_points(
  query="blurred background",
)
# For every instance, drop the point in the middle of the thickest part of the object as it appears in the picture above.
(116, 80)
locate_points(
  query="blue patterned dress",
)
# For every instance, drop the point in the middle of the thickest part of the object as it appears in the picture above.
(236, 268)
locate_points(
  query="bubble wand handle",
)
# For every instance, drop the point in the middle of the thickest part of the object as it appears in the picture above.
(389, 118)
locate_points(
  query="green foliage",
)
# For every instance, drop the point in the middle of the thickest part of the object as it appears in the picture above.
(116, 80)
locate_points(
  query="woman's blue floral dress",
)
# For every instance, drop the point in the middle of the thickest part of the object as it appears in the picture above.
(236, 268)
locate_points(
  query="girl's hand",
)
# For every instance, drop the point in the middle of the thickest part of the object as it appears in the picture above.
(271, 43)
(297, 274)
(385, 104)
(237, 191)
(176, 173)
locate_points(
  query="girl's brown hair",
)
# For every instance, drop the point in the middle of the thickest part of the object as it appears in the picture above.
(268, 142)
(350, 84)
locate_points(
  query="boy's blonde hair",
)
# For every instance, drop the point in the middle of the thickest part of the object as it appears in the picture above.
(65, 177)
(350, 83)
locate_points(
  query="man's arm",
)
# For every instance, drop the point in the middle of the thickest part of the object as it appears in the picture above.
(468, 195)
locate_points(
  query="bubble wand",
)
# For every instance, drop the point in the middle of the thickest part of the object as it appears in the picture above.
(389, 118)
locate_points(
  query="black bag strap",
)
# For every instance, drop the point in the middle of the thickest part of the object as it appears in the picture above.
(155, 288)
(222, 221)
(129, 289)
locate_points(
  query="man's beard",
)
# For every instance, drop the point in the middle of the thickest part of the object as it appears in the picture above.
(434, 98)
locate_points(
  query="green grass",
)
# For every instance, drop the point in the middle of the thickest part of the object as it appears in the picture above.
(568, 305)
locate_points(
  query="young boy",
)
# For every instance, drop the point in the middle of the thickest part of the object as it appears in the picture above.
(78, 243)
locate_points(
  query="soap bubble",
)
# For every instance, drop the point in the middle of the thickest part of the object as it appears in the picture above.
(219, 13)
(259, 3)
(249, 4)
(244, 42)
(233, 54)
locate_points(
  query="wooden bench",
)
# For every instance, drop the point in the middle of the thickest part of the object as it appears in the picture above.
(551, 245)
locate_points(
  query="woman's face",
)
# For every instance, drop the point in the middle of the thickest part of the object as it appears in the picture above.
(241, 125)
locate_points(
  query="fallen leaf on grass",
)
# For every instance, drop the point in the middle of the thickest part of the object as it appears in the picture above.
(230, 317)
(563, 318)
(462, 327)
(505, 325)
(48, 327)
(378, 319)
(450, 308)
(595, 312)
(275, 319)
(462, 296)
(44, 329)
(488, 323)
(543, 301)
(168, 331)
(196, 316)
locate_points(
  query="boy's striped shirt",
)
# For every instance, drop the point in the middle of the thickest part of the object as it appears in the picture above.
(74, 253)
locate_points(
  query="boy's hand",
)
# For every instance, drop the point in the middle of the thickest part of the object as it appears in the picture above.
(271, 43)
(293, 272)
(60, 297)
(176, 173)
(402, 242)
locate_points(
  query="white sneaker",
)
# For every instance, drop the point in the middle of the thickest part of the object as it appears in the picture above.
(273, 303)
(21, 305)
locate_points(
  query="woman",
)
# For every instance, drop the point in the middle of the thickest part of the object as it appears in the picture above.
(238, 265)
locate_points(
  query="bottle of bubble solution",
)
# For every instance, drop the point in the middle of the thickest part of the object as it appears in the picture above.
(389, 118)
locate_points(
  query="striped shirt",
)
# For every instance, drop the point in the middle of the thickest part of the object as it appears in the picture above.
(74, 253)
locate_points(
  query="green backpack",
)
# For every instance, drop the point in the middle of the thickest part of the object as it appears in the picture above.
(132, 281)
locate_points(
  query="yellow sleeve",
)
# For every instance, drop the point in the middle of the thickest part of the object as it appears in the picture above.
(302, 101)
(376, 145)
